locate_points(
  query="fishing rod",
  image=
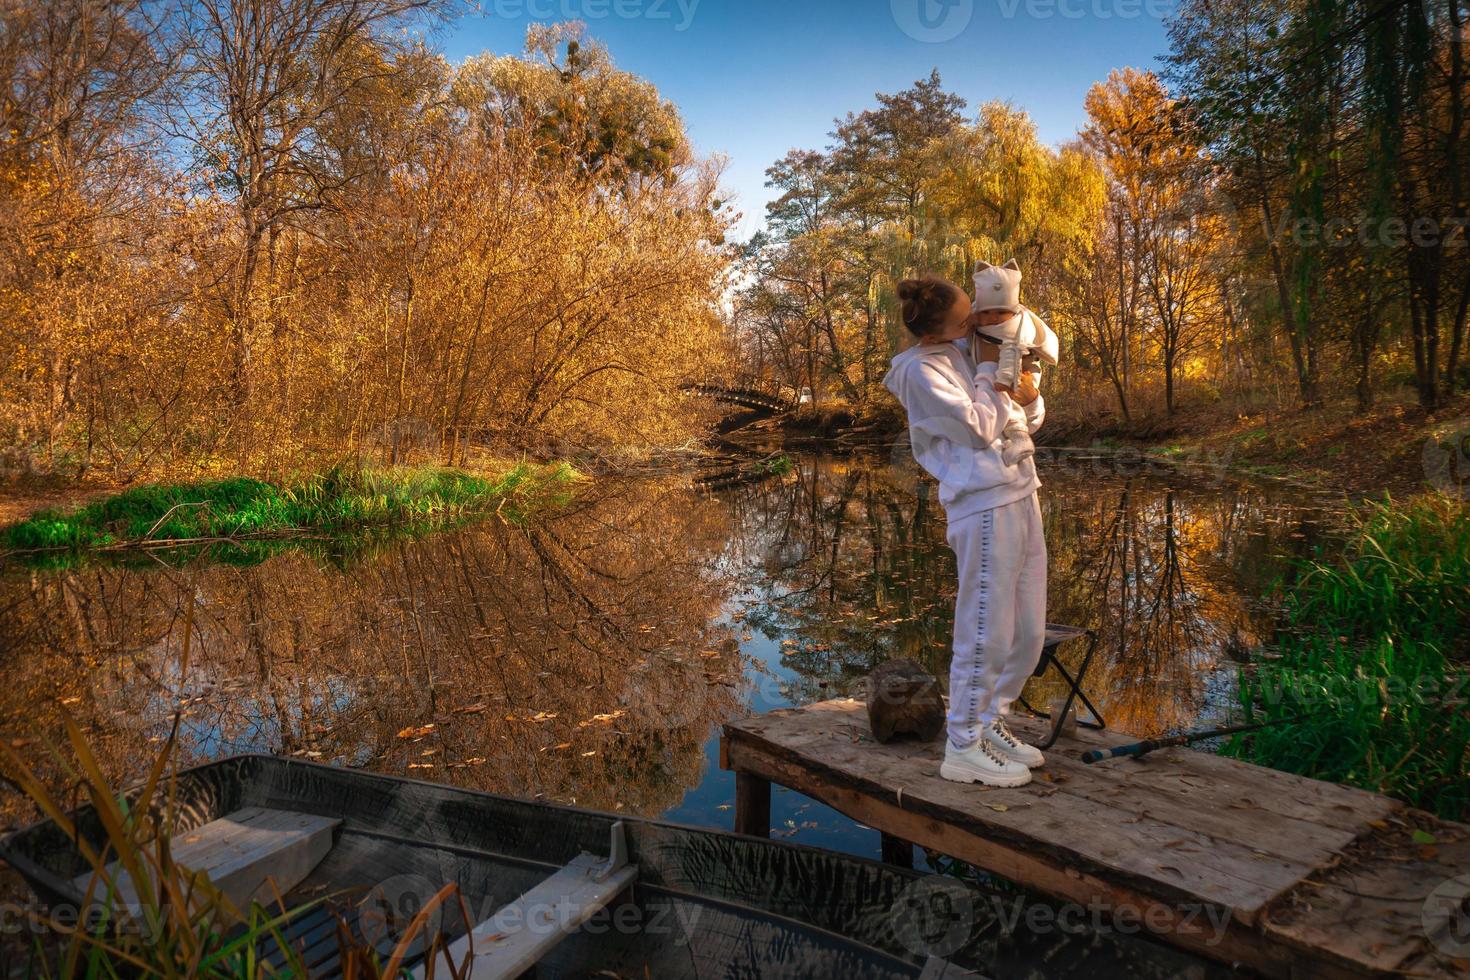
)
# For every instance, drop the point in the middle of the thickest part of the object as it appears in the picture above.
(1138, 749)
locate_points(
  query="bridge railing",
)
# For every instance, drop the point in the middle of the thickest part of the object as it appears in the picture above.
(746, 390)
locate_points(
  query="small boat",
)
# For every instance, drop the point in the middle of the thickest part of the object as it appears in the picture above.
(556, 891)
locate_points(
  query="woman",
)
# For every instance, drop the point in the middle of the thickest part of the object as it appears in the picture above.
(956, 417)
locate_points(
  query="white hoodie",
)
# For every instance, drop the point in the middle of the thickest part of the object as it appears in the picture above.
(956, 418)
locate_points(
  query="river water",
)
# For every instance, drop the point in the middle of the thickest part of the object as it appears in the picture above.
(591, 657)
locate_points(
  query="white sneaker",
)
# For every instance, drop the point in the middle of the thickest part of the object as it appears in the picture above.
(980, 763)
(1005, 743)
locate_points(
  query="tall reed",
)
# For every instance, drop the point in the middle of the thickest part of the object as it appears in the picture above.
(1372, 661)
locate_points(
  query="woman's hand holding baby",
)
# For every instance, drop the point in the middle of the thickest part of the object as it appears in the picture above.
(1028, 392)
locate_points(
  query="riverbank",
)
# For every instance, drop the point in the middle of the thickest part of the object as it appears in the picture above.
(1395, 448)
(244, 509)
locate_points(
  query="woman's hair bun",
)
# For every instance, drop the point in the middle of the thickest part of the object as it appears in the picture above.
(925, 302)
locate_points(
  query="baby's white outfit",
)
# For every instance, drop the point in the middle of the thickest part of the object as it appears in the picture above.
(998, 287)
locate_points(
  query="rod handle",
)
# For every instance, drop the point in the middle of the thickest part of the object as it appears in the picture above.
(1118, 751)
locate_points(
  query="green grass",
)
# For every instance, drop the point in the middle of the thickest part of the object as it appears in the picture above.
(1373, 659)
(338, 502)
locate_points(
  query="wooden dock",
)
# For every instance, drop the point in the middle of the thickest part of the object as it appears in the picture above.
(1311, 878)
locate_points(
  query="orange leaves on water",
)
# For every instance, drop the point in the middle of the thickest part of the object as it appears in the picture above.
(601, 719)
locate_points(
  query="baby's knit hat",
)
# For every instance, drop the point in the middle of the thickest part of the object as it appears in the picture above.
(998, 287)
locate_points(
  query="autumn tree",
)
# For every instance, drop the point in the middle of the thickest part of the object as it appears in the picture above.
(277, 235)
(568, 91)
(1165, 229)
(904, 188)
(79, 197)
(261, 78)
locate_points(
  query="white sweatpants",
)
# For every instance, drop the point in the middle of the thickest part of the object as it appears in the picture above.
(1000, 613)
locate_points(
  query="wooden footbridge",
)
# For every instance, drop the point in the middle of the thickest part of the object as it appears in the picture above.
(1281, 874)
(756, 394)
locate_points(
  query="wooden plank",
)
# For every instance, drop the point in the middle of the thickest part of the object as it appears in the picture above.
(520, 934)
(1223, 809)
(1298, 797)
(249, 855)
(1175, 863)
(1367, 912)
(1282, 793)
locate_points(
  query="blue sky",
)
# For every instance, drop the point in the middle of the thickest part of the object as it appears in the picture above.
(754, 78)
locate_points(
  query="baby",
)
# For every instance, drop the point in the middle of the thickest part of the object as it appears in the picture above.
(1002, 319)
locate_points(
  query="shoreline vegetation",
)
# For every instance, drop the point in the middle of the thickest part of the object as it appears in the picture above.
(339, 503)
(1373, 661)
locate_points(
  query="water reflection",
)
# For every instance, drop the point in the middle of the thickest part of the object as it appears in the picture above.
(580, 659)
(591, 658)
(853, 569)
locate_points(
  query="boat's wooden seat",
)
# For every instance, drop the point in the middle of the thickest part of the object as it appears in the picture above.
(251, 855)
(516, 937)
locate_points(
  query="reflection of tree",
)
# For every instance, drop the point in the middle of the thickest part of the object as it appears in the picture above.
(576, 658)
(572, 659)
(854, 570)
(847, 561)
